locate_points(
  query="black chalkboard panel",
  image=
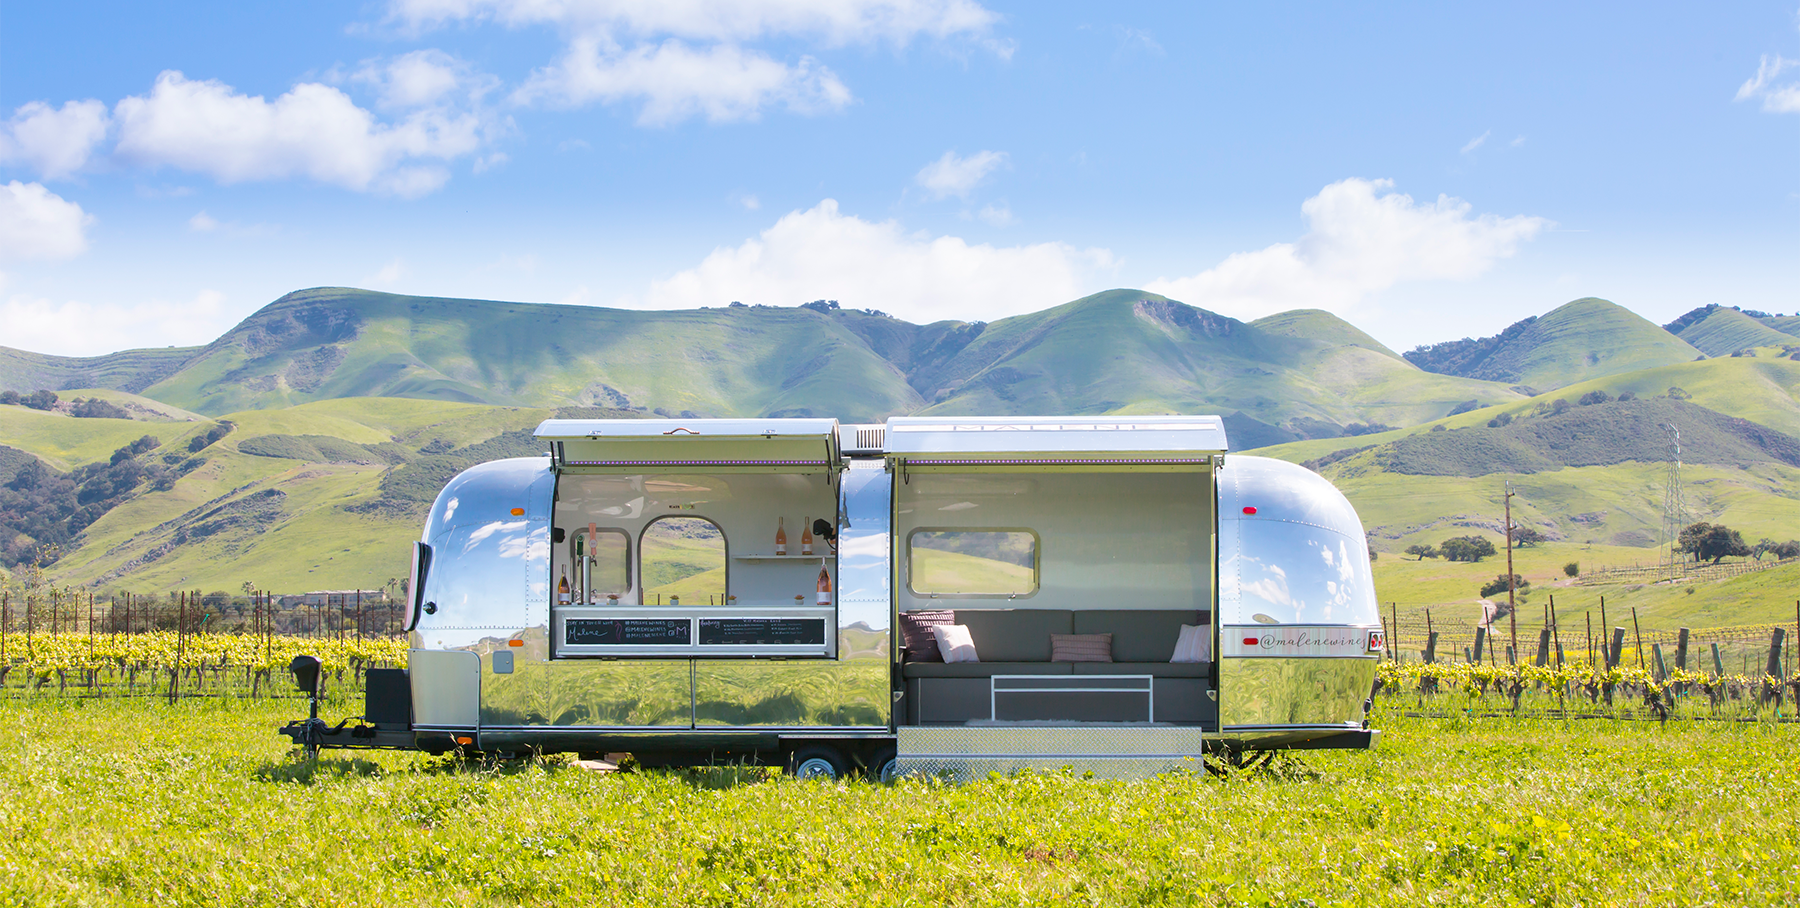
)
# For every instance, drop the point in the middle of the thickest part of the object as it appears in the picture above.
(762, 631)
(628, 631)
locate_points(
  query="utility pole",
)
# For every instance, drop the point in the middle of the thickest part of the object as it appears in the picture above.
(1512, 610)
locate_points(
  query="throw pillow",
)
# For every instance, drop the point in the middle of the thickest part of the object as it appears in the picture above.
(1081, 648)
(916, 636)
(1194, 645)
(954, 643)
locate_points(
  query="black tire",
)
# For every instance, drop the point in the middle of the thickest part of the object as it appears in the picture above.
(817, 761)
(884, 766)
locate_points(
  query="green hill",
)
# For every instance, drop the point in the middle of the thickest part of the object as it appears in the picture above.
(1721, 330)
(1129, 351)
(1588, 338)
(127, 370)
(1786, 324)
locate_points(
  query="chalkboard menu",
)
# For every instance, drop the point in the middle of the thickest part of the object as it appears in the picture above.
(628, 631)
(762, 631)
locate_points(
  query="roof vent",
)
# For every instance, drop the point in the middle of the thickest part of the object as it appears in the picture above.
(865, 439)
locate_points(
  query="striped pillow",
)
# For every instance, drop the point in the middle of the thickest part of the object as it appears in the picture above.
(1081, 648)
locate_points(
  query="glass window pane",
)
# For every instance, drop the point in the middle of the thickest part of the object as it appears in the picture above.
(973, 562)
(685, 557)
(612, 575)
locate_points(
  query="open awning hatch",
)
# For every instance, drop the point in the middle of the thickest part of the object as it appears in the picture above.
(682, 445)
(962, 444)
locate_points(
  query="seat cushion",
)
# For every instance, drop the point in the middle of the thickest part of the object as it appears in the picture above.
(1081, 648)
(1018, 634)
(916, 636)
(1153, 669)
(1139, 635)
(984, 669)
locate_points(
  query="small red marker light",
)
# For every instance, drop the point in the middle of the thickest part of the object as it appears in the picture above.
(518, 512)
(1249, 509)
(515, 643)
(1251, 641)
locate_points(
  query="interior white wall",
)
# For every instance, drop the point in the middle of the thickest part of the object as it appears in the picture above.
(1106, 540)
(744, 505)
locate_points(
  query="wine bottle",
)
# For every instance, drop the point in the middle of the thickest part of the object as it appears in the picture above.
(781, 536)
(806, 537)
(824, 587)
(562, 588)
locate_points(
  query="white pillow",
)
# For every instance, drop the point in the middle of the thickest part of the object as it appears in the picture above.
(954, 643)
(1195, 644)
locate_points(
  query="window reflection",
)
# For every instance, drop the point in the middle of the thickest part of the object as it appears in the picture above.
(972, 562)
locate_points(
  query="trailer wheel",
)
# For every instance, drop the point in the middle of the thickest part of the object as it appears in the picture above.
(817, 761)
(883, 766)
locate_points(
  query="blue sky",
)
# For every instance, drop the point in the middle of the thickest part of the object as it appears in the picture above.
(1427, 171)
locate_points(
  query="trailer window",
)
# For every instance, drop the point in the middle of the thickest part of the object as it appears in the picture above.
(972, 562)
(685, 557)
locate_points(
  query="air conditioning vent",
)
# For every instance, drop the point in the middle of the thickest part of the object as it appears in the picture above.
(864, 439)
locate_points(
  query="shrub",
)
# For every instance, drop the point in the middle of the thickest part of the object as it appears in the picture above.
(1500, 421)
(1572, 569)
(1422, 551)
(1524, 536)
(1594, 397)
(1678, 394)
(1707, 541)
(39, 400)
(95, 408)
(1559, 406)
(1626, 395)
(1466, 548)
(1502, 583)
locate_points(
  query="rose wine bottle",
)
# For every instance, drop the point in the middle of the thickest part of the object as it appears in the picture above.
(806, 539)
(781, 536)
(562, 588)
(824, 587)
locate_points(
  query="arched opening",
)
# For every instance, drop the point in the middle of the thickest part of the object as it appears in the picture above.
(682, 557)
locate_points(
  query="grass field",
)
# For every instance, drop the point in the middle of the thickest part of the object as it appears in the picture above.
(128, 802)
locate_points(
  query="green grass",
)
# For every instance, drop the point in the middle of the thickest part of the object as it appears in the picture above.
(115, 802)
(1725, 331)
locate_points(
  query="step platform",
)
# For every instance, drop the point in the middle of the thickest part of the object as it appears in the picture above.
(1116, 751)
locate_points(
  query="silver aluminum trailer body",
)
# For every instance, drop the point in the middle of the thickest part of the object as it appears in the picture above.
(1143, 519)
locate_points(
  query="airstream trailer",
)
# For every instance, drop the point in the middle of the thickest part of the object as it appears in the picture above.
(943, 595)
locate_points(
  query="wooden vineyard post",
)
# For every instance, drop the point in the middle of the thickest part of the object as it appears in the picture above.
(1543, 653)
(1394, 638)
(1386, 651)
(1603, 626)
(1481, 633)
(1681, 648)
(1556, 635)
(1662, 671)
(1431, 647)
(1773, 669)
(1638, 631)
(1590, 633)
(1617, 650)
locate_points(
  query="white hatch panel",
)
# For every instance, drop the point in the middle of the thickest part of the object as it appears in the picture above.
(710, 445)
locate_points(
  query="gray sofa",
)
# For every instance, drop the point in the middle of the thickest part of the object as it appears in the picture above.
(1017, 642)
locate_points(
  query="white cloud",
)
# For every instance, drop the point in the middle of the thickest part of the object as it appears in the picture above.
(1476, 142)
(36, 223)
(54, 142)
(1784, 98)
(389, 275)
(951, 175)
(424, 78)
(314, 131)
(1361, 238)
(75, 328)
(203, 223)
(835, 21)
(1517, 142)
(821, 253)
(748, 200)
(997, 215)
(676, 81)
(689, 58)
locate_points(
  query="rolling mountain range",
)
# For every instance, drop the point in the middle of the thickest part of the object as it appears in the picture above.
(296, 448)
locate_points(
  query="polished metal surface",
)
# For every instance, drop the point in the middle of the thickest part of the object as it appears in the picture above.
(739, 693)
(965, 753)
(1294, 691)
(865, 553)
(1291, 548)
(623, 693)
(1295, 641)
(446, 689)
(490, 568)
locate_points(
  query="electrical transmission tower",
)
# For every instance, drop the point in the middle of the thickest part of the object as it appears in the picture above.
(1674, 509)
